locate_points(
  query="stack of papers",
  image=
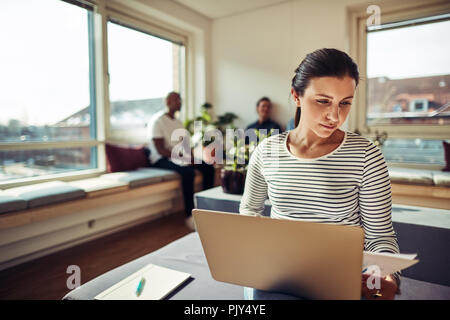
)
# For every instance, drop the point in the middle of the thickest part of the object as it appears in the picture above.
(388, 263)
(158, 283)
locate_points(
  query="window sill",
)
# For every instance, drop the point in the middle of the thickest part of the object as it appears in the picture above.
(69, 176)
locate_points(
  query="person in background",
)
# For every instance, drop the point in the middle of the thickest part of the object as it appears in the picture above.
(160, 129)
(263, 108)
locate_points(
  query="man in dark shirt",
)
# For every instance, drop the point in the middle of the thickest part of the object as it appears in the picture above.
(263, 108)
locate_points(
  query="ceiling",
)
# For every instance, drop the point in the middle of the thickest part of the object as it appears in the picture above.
(215, 9)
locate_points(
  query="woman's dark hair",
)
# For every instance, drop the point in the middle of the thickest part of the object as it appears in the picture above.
(322, 63)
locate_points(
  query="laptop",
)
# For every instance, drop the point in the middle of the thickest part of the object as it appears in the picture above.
(305, 259)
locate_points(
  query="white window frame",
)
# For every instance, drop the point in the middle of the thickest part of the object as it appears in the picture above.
(357, 47)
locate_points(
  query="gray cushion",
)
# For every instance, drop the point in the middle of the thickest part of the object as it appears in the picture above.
(97, 184)
(136, 178)
(164, 173)
(411, 176)
(47, 193)
(10, 203)
(441, 178)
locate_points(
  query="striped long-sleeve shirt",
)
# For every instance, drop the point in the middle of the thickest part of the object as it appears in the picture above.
(348, 186)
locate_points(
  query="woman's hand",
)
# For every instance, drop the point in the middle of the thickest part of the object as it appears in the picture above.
(386, 292)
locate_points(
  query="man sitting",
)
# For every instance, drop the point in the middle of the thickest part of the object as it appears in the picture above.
(263, 108)
(164, 155)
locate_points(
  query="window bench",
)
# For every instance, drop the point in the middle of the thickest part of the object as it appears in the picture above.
(424, 188)
(39, 219)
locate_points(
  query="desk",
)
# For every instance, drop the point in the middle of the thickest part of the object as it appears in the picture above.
(425, 231)
(186, 254)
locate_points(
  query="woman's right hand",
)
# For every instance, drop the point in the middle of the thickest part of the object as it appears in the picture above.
(388, 288)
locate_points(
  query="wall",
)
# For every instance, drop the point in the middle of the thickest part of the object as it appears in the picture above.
(255, 53)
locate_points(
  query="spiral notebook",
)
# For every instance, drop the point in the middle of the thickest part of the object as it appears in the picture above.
(159, 283)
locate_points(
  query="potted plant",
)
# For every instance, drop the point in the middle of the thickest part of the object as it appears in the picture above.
(208, 123)
(235, 170)
(222, 123)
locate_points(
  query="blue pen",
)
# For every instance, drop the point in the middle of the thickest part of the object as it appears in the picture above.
(140, 287)
(364, 270)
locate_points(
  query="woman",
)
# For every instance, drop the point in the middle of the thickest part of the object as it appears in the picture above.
(318, 172)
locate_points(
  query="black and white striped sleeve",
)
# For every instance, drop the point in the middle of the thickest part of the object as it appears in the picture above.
(255, 191)
(375, 203)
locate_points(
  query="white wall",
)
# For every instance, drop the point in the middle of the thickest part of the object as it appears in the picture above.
(255, 53)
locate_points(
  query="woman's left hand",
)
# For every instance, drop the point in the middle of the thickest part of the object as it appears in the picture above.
(386, 292)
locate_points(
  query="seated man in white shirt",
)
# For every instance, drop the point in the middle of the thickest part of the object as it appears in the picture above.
(161, 145)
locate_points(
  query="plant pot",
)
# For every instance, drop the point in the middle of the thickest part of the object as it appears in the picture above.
(232, 181)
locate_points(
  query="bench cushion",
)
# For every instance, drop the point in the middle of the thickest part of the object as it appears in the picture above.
(136, 178)
(165, 174)
(99, 184)
(47, 193)
(10, 203)
(125, 158)
(441, 178)
(411, 176)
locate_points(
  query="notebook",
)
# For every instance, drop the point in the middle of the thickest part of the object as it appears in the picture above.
(159, 283)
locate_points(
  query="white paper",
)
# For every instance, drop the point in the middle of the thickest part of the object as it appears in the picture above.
(388, 263)
(159, 282)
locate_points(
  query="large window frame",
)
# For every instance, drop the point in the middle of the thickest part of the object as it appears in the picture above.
(390, 13)
(94, 143)
(102, 11)
(140, 25)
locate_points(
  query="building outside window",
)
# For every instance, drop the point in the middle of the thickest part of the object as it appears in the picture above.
(408, 86)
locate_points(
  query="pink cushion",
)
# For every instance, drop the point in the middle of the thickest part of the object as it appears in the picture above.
(123, 158)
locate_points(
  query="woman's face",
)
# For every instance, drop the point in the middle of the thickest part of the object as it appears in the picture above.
(325, 104)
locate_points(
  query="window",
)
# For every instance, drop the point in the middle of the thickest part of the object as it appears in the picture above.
(47, 118)
(143, 68)
(408, 73)
(412, 151)
(405, 92)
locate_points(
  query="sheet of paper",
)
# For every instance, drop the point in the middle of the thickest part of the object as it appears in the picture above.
(387, 263)
(159, 282)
